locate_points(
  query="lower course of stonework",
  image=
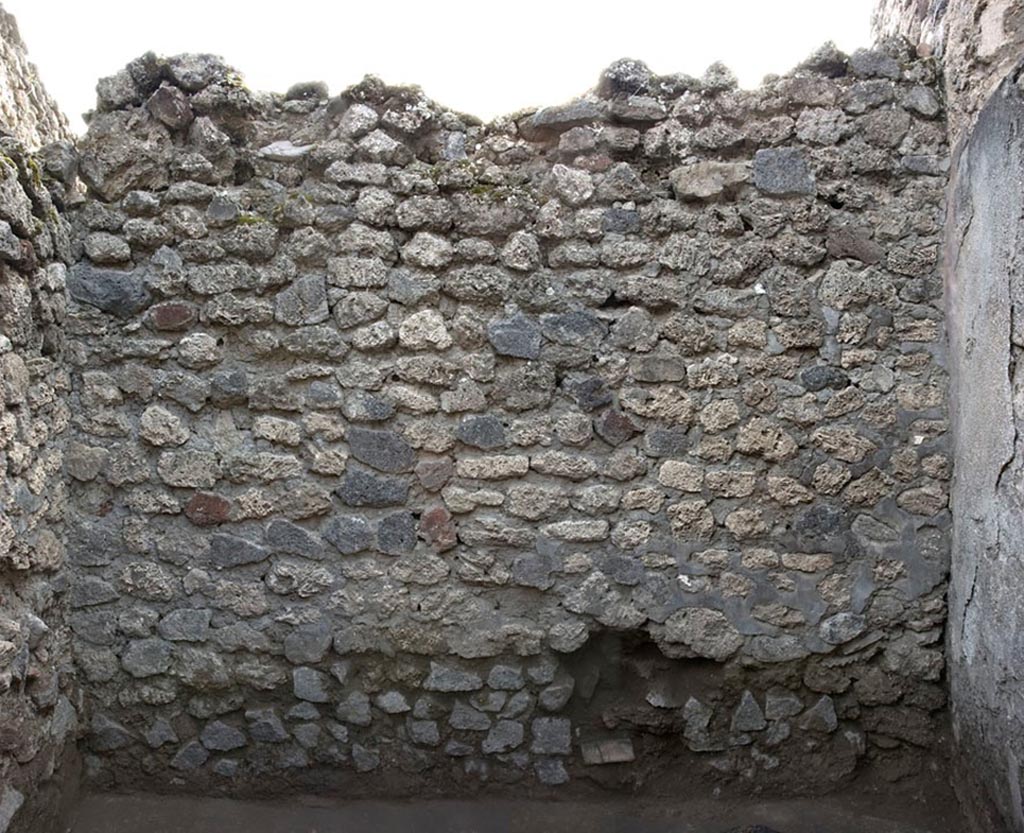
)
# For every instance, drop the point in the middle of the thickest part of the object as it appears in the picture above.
(898, 812)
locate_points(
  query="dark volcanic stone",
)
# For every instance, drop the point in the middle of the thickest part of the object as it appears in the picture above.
(614, 427)
(170, 105)
(782, 171)
(589, 392)
(625, 78)
(620, 221)
(564, 116)
(284, 536)
(577, 328)
(383, 450)
(348, 534)
(821, 376)
(120, 293)
(821, 527)
(365, 407)
(484, 432)
(232, 551)
(307, 91)
(666, 442)
(229, 387)
(361, 488)
(396, 534)
(517, 336)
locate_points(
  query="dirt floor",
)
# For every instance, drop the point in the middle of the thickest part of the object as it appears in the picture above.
(834, 814)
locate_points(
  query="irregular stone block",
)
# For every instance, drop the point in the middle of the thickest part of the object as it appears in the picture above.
(706, 180)
(120, 293)
(783, 172)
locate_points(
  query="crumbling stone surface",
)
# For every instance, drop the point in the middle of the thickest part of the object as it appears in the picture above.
(977, 41)
(384, 418)
(38, 696)
(27, 112)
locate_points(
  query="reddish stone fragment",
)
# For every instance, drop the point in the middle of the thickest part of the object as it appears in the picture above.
(207, 509)
(434, 474)
(595, 164)
(173, 315)
(438, 528)
(614, 427)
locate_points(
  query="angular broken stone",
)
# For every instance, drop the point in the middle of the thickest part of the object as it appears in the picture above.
(284, 151)
(748, 716)
(484, 432)
(286, 537)
(783, 172)
(232, 551)
(842, 628)
(449, 679)
(708, 632)
(504, 736)
(424, 330)
(821, 717)
(383, 450)
(348, 534)
(303, 302)
(706, 180)
(221, 737)
(517, 336)
(611, 751)
(117, 292)
(565, 116)
(551, 736)
(361, 488)
(396, 533)
(147, 657)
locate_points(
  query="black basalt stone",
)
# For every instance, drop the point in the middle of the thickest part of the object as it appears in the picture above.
(287, 537)
(589, 392)
(232, 551)
(348, 534)
(783, 172)
(396, 534)
(484, 432)
(114, 291)
(383, 450)
(517, 336)
(361, 488)
(821, 376)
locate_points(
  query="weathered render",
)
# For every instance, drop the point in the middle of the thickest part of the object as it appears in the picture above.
(980, 45)
(423, 453)
(978, 42)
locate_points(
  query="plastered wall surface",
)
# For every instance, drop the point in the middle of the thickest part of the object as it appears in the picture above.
(980, 47)
(600, 444)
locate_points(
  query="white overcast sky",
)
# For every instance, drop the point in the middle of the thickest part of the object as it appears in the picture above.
(483, 58)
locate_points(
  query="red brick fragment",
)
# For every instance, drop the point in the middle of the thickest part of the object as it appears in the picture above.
(438, 528)
(207, 509)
